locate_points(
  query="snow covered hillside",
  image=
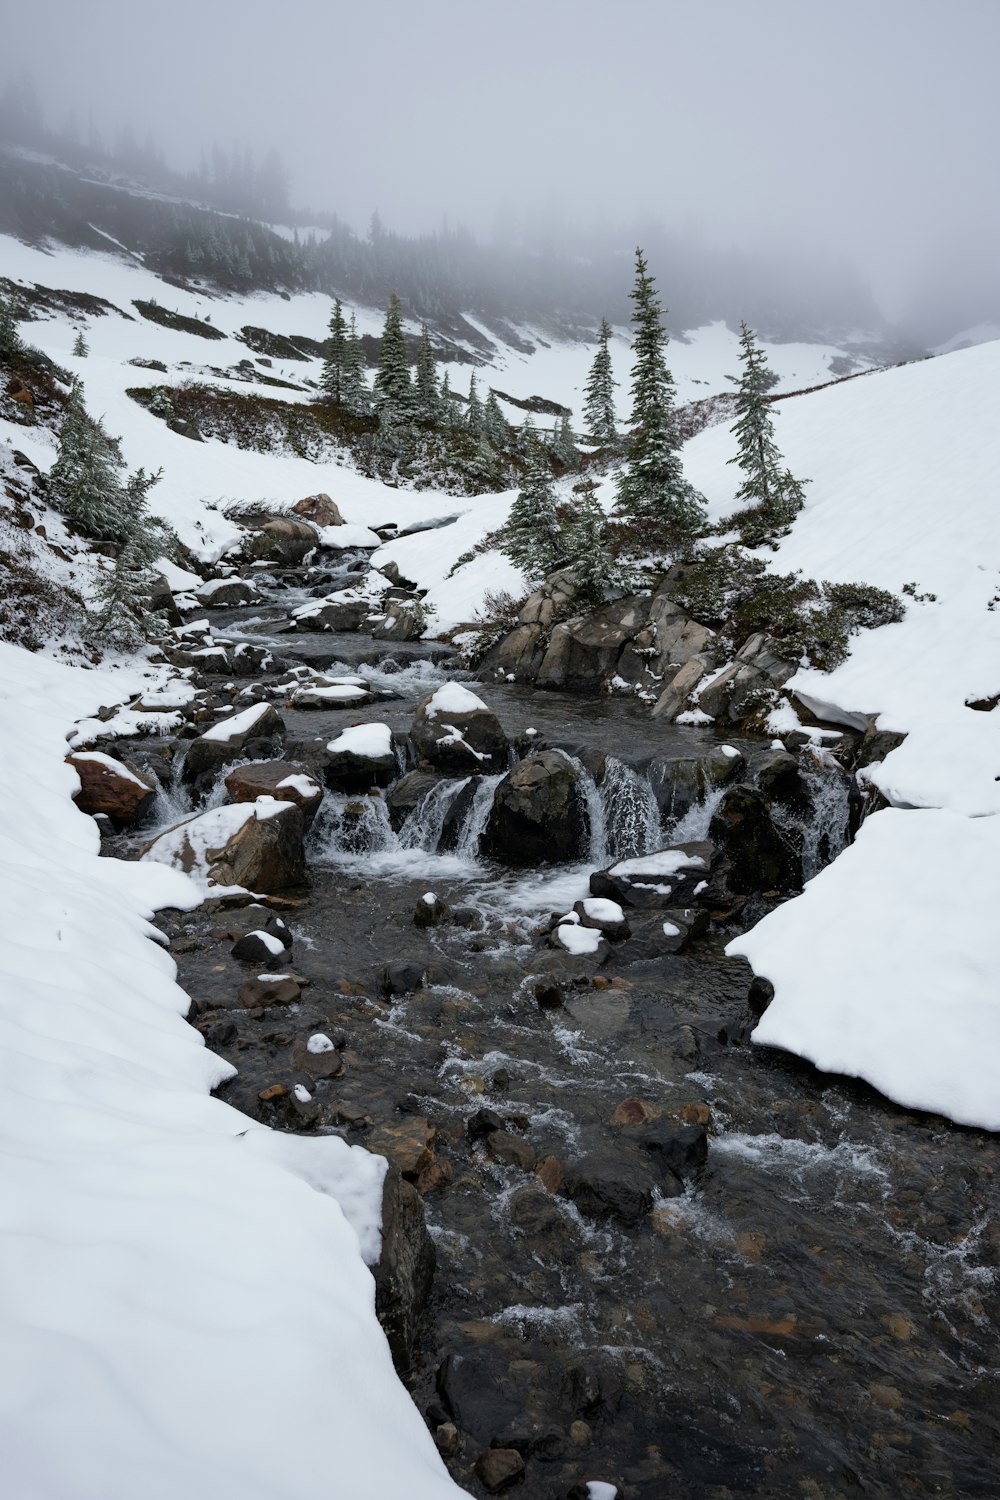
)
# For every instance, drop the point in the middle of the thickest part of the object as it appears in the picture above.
(888, 967)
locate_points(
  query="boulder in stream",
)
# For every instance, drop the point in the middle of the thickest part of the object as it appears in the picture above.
(281, 779)
(655, 881)
(360, 758)
(256, 845)
(538, 814)
(455, 731)
(759, 855)
(110, 786)
(232, 739)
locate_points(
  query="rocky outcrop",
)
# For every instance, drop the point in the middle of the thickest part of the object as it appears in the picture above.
(401, 620)
(758, 668)
(538, 814)
(122, 792)
(456, 732)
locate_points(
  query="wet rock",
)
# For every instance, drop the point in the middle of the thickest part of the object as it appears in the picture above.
(401, 978)
(360, 758)
(498, 1468)
(317, 1056)
(679, 1151)
(269, 989)
(121, 791)
(759, 996)
(669, 931)
(538, 814)
(319, 509)
(435, 1177)
(779, 778)
(479, 1393)
(281, 779)
(483, 1123)
(608, 1190)
(549, 994)
(256, 845)
(230, 740)
(760, 857)
(259, 947)
(456, 732)
(511, 1150)
(407, 794)
(431, 911)
(636, 1112)
(407, 1142)
(405, 1270)
(446, 1439)
(654, 881)
(603, 916)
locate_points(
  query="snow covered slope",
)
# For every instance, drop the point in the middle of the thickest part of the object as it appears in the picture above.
(184, 1308)
(888, 966)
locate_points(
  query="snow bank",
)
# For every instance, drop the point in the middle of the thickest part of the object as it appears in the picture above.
(160, 1254)
(903, 490)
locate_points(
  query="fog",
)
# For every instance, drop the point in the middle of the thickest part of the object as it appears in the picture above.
(853, 133)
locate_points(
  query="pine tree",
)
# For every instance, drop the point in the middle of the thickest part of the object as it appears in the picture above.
(393, 389)
(123, 617)
(80, 349)
(774, 494)
(355, 395)
(532, 537)
(426, 396)
(596, 571)
(85, 481)
(599, 393)
(10, 338)
(332, 379)
(564, 444)
(494, 423)
(474, 415)
(652, 489)
(452, 407)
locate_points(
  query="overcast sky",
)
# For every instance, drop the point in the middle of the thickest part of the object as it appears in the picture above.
(867, 127)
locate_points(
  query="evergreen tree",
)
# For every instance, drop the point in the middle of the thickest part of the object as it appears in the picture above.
(596, 570)
(652, 489)
(453, 412)
(80, 349)
(494, 423)
(334, 365)
(474, 414)
(393, 390)
(427, 397)
(355, 395)
(564, 444)
(85, 481)
(532, 537)
(10, 338)
(775, 496)
(599, 392)
(123, 617)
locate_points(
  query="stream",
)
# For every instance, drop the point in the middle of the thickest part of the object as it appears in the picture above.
(810, 1312)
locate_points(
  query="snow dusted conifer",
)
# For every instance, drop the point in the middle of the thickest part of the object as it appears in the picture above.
(652, 490)
(427, 396)
(10, 338)
(123, 617)
(393, 388)
(355, 395)
(85, 481)
(775, 495)
(564, 444)
(335, 363)
(599, 392)
(532, 537)
(80, 350)
(474, 415)
(494, 422)
(597, 572)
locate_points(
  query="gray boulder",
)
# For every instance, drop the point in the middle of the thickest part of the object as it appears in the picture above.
(760, 857)
(538, 814)
(455, 731)
(232, 739)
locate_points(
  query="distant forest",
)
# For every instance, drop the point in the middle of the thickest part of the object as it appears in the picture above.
(212, 225)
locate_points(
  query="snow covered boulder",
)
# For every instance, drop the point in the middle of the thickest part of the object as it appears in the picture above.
(336, 613)
(219, 593)
(538, 814)
(109, 786)
(360, 758)
(759, 855)
(656, 881)
(455, 731)
(331, 692)
(602, 915)
(232, 739)
(401, 621)
(319, 509)
(280, 779)
(255, 845)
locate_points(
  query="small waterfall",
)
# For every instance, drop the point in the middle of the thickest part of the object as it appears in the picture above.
(695, 823)
(467, 846)
(172, 803)
(348, 826)
(598, 854)
(630, 811)
(425, 824)
(825, 833)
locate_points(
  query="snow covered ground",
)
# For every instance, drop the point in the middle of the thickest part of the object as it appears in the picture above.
(184, 1304)
(888, 967)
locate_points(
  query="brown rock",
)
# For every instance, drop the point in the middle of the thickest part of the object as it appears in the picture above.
(409, 1143)
(511, 1150)
(110, 786)
(436, 1176)
(274, 1091)
(550, 1174)
(281, 779)
(319, 509)
(281, 990)
(636, 1112)
(446, 1438)
(696, 1114)
(886, 1396)
(498, 1468)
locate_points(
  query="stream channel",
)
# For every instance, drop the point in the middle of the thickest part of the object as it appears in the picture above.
(810, 1312)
